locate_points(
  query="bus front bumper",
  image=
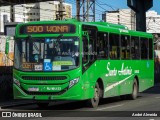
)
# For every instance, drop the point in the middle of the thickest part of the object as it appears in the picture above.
(77, 92)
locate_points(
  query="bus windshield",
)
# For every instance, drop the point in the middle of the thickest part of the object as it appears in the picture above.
(47, 54)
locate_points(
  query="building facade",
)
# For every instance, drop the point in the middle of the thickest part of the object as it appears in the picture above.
(124, 17)
(4, 16)
(153, 26)
(153, 22)
(33, 12)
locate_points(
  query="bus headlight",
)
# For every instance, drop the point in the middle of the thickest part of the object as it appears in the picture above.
(73, 82)
(16, 82)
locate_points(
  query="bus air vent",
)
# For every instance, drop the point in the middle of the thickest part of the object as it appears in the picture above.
(44, 77)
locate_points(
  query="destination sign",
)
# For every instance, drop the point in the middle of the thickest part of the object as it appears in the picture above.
(47, 29)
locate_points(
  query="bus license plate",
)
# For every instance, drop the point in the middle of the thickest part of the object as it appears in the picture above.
(33, 89)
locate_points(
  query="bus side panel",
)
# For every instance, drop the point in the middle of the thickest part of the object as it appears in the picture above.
(118, 76)
(109, 76)
(146, 75)
(89, 78)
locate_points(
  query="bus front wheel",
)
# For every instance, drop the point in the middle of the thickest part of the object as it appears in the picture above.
(93, 102)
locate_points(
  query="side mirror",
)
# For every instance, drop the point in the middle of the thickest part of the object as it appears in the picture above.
(7, 46)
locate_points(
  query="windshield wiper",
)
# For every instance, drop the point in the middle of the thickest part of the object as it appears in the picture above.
(29, 38)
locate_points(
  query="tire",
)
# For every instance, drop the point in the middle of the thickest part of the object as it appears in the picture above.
(93, 102)
(134, 93)
(42, 105)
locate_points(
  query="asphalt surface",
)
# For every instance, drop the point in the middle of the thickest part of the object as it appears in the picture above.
(110, 108)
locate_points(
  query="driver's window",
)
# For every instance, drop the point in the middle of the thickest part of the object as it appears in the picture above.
(85, 50)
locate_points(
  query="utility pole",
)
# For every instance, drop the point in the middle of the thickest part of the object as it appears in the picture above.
(60, 13)
(78, 9)
(85, 10)
(140, 7)
(12, 13)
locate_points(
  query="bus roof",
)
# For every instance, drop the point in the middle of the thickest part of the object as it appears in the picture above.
(101, 26)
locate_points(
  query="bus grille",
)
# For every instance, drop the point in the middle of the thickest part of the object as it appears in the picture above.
(44, 77)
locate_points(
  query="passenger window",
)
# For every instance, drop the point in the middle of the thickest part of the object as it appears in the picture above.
(114, 46)
(125, 47)
(102, 45)
(150, 49)
(144, 48)
(85, 50)
(135, 48)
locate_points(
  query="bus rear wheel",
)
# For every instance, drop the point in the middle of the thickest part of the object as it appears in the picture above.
(134, 93)
(93, 102)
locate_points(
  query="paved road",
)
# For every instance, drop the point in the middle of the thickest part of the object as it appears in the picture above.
(147, 102)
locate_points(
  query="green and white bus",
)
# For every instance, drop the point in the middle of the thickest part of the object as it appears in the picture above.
(72, 60)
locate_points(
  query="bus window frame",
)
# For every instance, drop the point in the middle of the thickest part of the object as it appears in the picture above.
(119, 45)
(151, 46)
(143, 39)
(107, 46)
(83, 54)
(139, 49)
(129, 40)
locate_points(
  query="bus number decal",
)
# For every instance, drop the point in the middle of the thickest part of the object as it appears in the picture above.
(28, 65)
(38, 67)
(136, 71)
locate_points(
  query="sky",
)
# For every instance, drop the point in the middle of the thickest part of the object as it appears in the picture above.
(123, 4)
(111, 5)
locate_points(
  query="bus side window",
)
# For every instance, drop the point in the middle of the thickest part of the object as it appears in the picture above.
(150, 49)
(135, 48)
(125, 47)
(114, 46)
(144, 48)
(85, 50)
(102, 45)
(91, 49)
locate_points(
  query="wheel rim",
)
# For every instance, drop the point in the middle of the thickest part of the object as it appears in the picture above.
(135, 90)
(96, 95)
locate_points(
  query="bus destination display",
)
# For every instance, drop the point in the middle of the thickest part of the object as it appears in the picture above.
(47, 29)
